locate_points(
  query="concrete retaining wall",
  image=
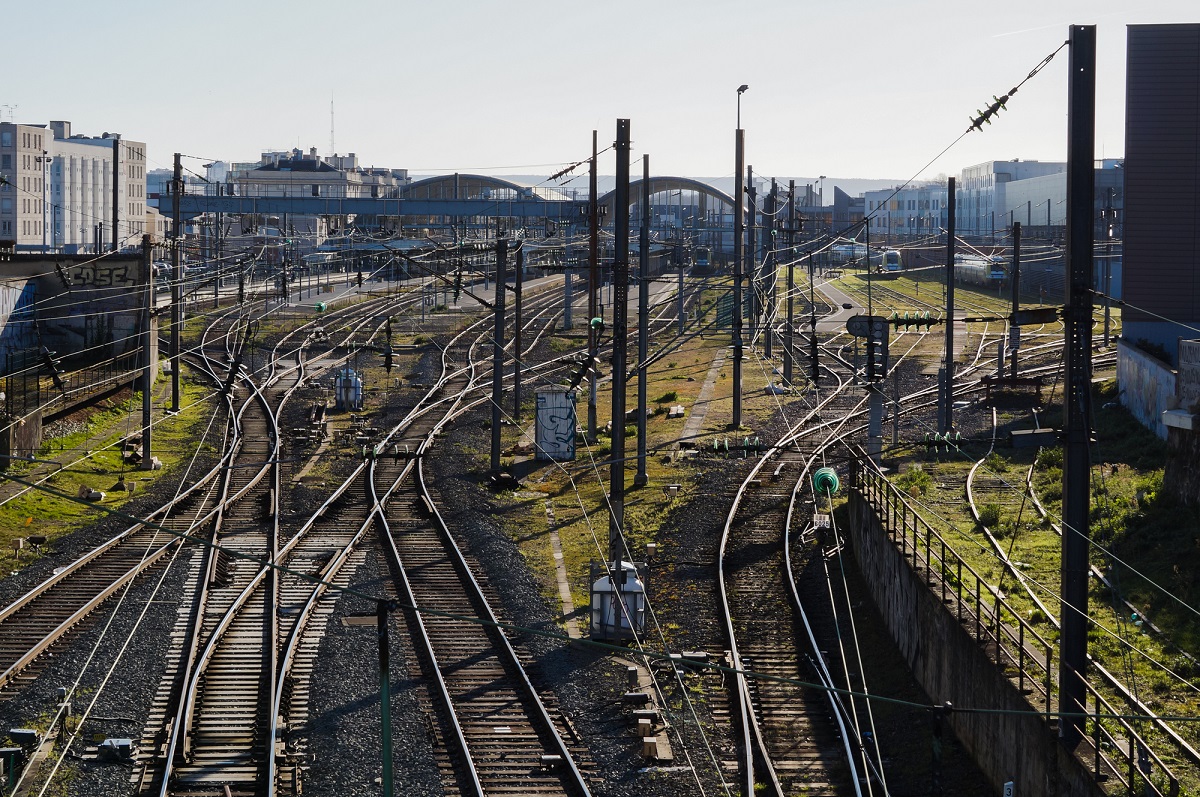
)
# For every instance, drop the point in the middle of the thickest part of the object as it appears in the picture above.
(1147, 386)
(1019, 747)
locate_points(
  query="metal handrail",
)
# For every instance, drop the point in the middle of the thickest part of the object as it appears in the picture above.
(995, 619)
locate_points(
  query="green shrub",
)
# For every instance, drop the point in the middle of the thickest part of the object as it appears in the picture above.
(915, 481)
(989, 515)
(1147, 488)
(1050, 457)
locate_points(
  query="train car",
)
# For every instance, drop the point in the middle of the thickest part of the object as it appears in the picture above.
(849, 254)
(700, 260)
(891, 261)
(319, 261)
(990, 272)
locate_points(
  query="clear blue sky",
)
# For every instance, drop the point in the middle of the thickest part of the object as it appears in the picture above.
(845, 89)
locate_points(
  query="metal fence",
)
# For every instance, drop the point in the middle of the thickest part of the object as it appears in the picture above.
(1120, 756)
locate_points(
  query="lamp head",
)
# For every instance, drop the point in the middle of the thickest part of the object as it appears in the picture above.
(742, 88)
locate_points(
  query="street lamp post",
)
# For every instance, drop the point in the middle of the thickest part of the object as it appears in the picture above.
(44, 160)
(738, 220)
(681, 252)
(821, 196)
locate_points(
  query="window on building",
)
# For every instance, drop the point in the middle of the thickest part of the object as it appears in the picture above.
(316, 190)
(6, 138)
(6, 162)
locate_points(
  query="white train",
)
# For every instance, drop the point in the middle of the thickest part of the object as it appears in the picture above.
(979, 270)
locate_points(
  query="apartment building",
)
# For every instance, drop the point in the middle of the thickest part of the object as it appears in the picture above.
(57, 194)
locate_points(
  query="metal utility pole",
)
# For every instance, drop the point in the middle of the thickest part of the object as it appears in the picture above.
(116, 195)
(869, 370)
(498, 352)
(769, 263)
(751, 255)
(147, 350)
(681, 302)
(642, 478)
(517, 333)
(1014, 331)
(176, 321)
(620, 336)
(1110, 216)
(738, 265)
(568, 297)
(1077, 399)
(812, 307)
(593, 282)
(948, 370)
(791, 283)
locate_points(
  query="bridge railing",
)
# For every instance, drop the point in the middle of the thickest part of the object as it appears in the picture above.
(1121, 758)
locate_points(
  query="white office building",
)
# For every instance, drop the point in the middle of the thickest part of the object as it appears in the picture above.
(982, 205)
(58, 194)
(906, 213)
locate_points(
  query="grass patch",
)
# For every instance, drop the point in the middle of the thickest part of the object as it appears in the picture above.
(91, 458)
(576, 492)
(1143, 539)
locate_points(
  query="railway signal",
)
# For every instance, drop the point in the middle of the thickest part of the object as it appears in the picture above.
(915, 320)
(875, 329)
(950, 441)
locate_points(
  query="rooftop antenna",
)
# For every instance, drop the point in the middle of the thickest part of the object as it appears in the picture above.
(9, 111)
(332, 150)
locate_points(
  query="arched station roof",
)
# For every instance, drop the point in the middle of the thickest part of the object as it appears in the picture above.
(660, 185)
(476, 186)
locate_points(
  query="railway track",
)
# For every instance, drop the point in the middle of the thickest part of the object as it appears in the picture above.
(241, 711)
(232, 708)
(790, 741)
(496, 734)
(782, 598)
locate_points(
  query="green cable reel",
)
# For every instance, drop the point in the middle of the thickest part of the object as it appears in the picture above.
(825, 481)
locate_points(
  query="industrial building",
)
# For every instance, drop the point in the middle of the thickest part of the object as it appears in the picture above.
(1162, 195)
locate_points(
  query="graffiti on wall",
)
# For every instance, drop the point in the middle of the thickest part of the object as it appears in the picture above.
(1187, 382)
(1147, 387)
(555, 431)
(16, 318)
(105, 275)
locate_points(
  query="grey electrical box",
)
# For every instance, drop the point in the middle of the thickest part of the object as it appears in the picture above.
(24, 737)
